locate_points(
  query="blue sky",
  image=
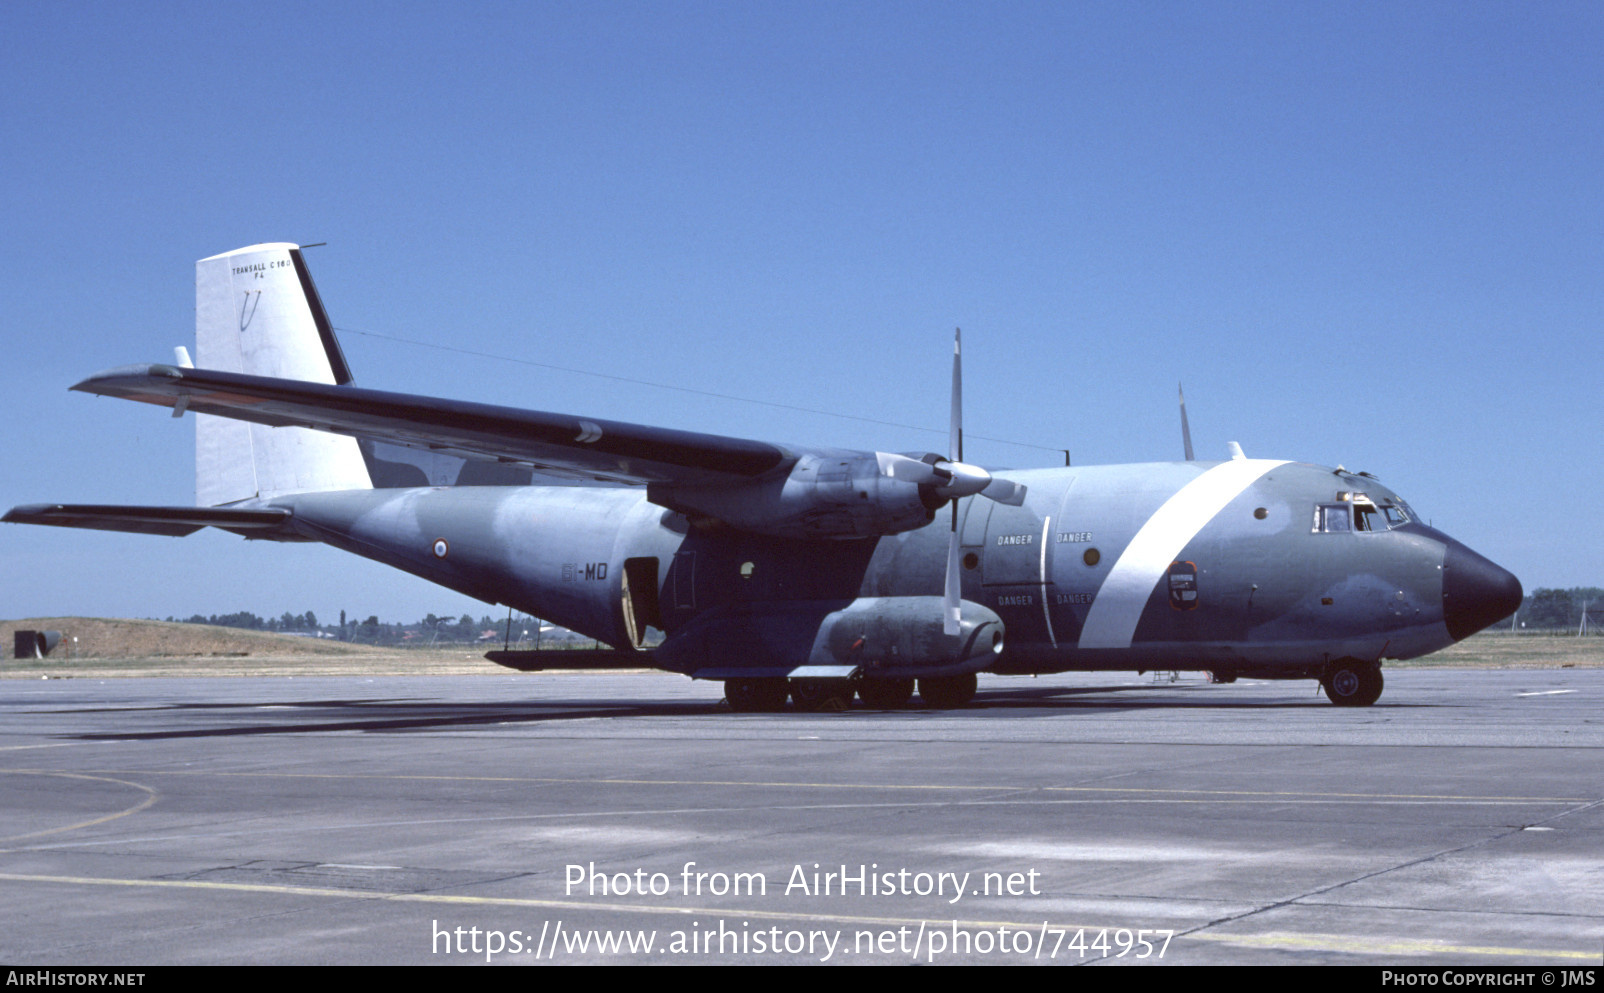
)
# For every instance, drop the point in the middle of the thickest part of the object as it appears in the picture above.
(1366, 234)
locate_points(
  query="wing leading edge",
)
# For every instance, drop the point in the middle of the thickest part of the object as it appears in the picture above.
(550, 443)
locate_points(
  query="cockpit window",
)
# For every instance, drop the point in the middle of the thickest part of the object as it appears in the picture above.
(1332, 517)
(1367, 517)
(1357, 512)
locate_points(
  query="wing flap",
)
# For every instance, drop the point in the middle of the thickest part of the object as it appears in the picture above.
(559, 443)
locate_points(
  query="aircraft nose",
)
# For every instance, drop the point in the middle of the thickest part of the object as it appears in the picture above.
(1475, 591)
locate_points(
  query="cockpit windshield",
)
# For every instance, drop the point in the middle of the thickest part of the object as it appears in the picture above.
(1358, 512)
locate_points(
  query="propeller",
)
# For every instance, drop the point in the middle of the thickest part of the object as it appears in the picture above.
(952, 478)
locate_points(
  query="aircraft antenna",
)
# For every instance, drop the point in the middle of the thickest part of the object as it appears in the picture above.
(1186, 429)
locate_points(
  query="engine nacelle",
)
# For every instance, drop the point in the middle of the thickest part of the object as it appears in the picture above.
(823, 496)
(888, 637)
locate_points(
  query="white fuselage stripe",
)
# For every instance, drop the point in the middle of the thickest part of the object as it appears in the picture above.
(1112, 620)
(1046, 611)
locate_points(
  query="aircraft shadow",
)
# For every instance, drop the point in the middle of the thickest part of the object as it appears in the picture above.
(394, 714)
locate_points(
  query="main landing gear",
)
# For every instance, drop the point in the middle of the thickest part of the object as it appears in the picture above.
(1352, 683)
(756, 696)
(947, 692)
(885, 694)
(821, 694)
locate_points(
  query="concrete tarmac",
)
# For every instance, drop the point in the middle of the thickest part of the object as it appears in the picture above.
(526, 819)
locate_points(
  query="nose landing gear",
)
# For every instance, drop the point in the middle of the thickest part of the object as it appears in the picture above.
(1352, 683)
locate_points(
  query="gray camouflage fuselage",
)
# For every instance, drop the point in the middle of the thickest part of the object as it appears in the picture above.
(1256, 588)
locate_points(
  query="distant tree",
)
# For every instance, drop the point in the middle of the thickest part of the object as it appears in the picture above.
(241, 619)
(1550, 609)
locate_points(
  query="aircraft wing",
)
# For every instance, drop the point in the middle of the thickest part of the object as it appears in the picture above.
(172, 521)
(555, 443)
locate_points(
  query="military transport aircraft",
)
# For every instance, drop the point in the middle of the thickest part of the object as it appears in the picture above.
(792, 571)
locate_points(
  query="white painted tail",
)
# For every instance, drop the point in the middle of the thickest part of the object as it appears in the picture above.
(257, 312)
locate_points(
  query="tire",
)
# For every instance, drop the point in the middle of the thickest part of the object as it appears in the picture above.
(1353, 684)
(885, 694)
(821, 694)
(948, 692)
(755, 696)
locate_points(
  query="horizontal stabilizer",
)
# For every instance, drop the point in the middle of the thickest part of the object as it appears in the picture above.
(555, 443)
(173, 521)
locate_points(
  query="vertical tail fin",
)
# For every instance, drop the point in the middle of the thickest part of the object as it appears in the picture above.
(258, 312)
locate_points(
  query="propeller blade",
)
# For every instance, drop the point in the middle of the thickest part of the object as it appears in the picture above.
(951, 594)
(901, 467)
(955, 433)
(951, 609)
(1005, 491)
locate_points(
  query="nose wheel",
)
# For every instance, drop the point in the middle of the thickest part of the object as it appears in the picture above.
(1351, 683)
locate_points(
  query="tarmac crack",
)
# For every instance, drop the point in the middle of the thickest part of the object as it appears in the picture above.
(1457, 910)
(1304, 899)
